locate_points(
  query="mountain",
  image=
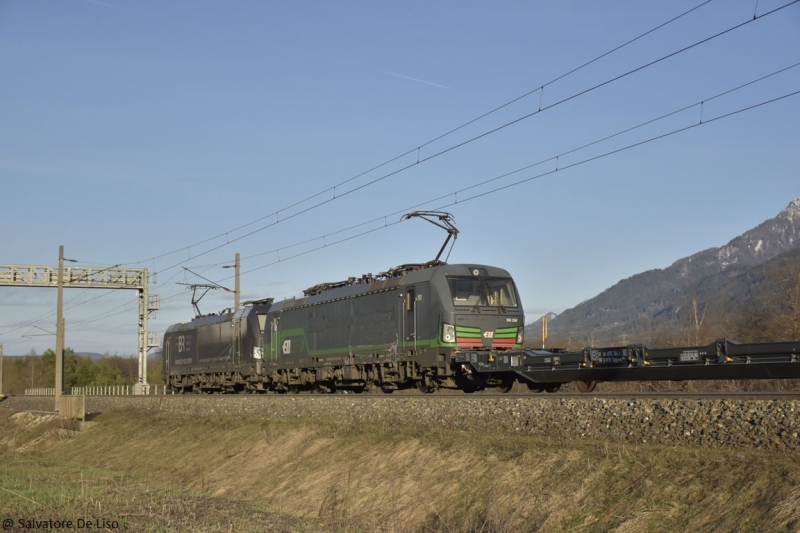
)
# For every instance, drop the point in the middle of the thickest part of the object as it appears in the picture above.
(716, 278)
(91, 355)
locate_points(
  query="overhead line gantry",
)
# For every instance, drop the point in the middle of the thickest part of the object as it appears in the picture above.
(112, 278)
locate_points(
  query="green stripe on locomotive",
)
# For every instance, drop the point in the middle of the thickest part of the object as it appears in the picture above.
(299, 346)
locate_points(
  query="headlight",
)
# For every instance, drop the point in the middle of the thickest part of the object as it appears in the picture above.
(448, 333)
(257, 353)
(520, 335)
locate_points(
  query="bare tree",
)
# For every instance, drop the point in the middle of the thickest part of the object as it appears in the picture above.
(791, 288)
(697, 318)
(696, 329)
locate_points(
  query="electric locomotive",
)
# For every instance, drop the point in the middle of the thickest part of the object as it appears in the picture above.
(215, 352)
(400, 329)
(408, 327)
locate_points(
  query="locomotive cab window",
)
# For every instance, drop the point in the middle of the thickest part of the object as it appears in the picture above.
(484, 292)
(262, 323)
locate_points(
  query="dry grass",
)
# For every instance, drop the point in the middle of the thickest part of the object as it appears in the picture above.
(314, 475)
(33, 489)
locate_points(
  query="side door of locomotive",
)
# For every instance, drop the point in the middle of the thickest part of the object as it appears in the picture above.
(239, 329)
(166, 357)
(409, 318)
(271, 334)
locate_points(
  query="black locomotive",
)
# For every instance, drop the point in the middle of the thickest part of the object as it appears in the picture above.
(420, 325)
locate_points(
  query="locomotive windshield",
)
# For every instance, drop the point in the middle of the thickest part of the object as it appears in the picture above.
(483, 291)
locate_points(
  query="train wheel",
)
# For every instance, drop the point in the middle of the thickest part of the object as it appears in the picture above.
(506, 386)
(535, 387)
(387, 389)
(552, 387)
(323, 388)
(424, 385)
(585, 386)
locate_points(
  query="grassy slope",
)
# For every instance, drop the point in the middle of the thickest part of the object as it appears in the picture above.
(311, 475)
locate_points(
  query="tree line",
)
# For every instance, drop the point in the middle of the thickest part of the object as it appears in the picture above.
(39, 371)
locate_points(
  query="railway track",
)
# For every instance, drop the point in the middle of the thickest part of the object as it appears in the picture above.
(457, 395)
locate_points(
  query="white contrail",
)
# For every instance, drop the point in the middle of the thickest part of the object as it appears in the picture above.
(408, 78)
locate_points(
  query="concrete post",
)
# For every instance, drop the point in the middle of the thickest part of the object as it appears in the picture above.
(60, 328)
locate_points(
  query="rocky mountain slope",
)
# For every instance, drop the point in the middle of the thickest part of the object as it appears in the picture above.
(714, 277)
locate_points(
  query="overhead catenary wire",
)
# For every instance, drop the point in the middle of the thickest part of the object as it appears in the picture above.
(557, 169)
(417, 148)
(628, 147)
(455, 193)
(26, 323)
(517, 183)
(562, 154)
(453, 147)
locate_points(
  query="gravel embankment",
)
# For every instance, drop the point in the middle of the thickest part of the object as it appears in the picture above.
(711, 423)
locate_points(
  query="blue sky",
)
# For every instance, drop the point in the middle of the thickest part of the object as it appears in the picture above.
(135, 129)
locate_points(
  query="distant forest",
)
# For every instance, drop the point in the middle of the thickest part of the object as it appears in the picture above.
(34, 371)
